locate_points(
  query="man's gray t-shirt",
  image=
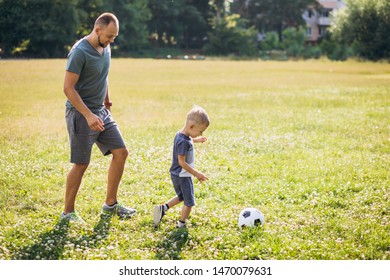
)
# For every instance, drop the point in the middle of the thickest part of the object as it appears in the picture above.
(93, 68)
(182, 145)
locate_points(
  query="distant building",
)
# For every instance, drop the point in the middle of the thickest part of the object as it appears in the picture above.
(318, 18)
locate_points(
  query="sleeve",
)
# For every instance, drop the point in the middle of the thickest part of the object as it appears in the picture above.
(182, 147)
(76, 60)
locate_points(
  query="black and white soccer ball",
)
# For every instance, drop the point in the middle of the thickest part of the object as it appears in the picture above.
(250, 217)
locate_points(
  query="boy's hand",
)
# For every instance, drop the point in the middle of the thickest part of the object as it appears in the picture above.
(200, 139)
(201, 177)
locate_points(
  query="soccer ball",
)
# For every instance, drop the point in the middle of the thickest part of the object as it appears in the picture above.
(250, 217)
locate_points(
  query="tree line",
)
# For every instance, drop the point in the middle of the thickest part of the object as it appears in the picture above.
(48, 28)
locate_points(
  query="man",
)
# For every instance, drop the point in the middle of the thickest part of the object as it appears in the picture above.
(88, 115)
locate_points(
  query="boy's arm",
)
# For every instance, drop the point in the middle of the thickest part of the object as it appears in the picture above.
(200, 139)
(182, 162)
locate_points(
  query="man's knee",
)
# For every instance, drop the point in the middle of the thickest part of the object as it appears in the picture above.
(81, 167)
(121, 154)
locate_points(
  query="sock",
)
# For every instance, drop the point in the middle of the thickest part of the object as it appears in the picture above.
(111, 205)
(180, 224)
(165, 207)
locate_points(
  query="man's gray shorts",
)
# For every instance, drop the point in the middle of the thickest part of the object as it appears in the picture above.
(184, 189)
(82, 137)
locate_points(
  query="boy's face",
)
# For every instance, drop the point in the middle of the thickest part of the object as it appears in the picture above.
(197, 130)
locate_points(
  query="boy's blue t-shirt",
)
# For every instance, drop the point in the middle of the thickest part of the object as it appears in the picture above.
(182, 145)
(93, 68)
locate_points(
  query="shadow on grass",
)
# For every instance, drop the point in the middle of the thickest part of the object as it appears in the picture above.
(170, 248)
(51, 244)
(253, 235)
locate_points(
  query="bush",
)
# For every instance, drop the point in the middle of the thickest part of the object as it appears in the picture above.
(312, 52)
(294, 41)
(335, 50)
(229, 36)
(365, 25)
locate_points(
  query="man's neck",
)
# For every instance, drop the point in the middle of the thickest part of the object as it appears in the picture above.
(94, 43)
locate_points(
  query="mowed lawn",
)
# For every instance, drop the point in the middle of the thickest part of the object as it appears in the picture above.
(307, 143)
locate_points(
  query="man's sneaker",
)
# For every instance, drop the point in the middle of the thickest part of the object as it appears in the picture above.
(118, 209)
(72, 217)
(158, 214)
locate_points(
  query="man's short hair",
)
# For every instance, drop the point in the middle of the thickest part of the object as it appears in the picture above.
(105, 19)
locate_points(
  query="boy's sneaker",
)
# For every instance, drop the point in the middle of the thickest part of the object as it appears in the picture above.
(158, 214)
(118, 209)
(180, 224)
(72, 217)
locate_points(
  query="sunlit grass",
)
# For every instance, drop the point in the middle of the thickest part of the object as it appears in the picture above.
(307, 143)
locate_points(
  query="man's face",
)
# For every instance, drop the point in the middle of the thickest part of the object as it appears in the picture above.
(107, 35)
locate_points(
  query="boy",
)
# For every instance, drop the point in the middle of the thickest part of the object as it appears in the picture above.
(182, 168)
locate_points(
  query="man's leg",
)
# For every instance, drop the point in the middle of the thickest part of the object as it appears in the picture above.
(73, 182)
(115, 172)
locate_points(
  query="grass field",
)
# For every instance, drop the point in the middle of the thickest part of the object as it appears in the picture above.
(307, 143)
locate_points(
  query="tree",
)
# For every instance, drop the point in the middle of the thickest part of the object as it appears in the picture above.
(198, 26)
(273, 15)
(87, 11)
(270, 42)
(13, 27)
(175, 23)
(40, 28)
(294, 41)
(365, 25)
(133, 16)
(231, 36)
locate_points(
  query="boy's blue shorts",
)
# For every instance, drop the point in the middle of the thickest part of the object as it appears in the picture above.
(184, 189)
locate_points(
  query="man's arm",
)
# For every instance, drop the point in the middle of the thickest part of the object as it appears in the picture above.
(107, 102)
(94, 122)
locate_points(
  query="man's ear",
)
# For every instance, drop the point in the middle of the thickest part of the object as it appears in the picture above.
(97, 30)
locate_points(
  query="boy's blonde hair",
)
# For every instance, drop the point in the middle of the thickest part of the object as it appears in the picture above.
(198, 115)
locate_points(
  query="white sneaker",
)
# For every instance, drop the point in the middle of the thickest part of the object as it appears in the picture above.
(118, 209)
(158, 214)
(72, 217)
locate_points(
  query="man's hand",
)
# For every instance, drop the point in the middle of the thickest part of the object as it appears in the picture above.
(94, 122)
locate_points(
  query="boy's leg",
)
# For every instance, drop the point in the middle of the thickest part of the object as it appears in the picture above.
(185, 213)
(174, 201)
(189, 200)
(159, 210)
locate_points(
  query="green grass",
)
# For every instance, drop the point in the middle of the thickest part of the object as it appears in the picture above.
(307, 143)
